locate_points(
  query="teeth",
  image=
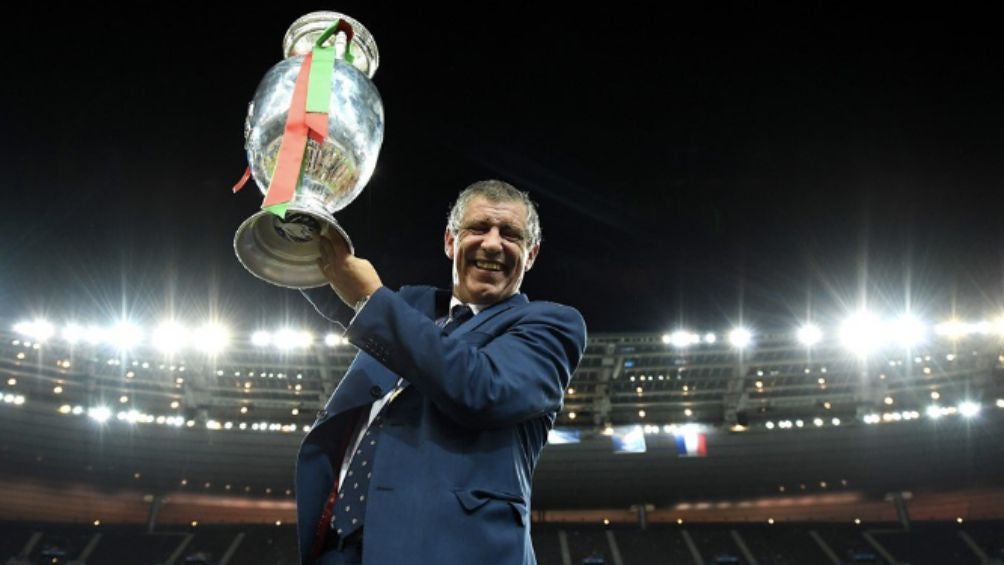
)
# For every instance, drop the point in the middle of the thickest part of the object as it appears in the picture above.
(489, 265)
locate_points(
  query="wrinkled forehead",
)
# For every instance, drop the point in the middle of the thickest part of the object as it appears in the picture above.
(512, 213)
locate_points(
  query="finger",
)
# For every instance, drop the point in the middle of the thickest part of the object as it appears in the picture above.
(338, 244)
(328, 252)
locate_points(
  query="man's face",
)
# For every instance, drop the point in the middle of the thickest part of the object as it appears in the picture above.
(490, 252)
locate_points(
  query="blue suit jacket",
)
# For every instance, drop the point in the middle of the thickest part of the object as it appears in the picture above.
(452, 470)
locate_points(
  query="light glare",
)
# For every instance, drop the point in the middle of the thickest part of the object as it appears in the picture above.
(681, 338)
(908, 331)
(170, 337)
(810, 335)
(124, 336)
(287, 338)
(261, 338)
(740, 337)
(952, 329)
(38, 329)
(99, 414)
(862, 333)
(212, 338)
(969, 409)
(73, 333)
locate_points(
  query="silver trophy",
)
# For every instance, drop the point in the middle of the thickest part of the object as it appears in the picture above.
(284, 250)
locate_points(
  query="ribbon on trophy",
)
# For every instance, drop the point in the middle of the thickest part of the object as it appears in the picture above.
(307, 118)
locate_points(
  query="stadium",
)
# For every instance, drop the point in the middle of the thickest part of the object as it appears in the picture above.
(870, 442)
(779, 225)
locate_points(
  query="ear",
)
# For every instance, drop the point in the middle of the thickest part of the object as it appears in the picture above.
(534, 251)
(448, 243)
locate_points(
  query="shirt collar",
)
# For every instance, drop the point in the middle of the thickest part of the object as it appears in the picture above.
(476, 308)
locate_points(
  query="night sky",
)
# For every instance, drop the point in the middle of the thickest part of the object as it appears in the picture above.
(692, 168)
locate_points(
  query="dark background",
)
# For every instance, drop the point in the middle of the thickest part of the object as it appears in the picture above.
(693, 166)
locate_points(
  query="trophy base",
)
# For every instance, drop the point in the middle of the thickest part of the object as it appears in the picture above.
(284, 252)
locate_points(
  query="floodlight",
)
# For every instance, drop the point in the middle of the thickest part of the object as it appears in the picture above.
(38, 329)
(73, 332)
(681, 338)
(261, 338)
(710, 338)
(969, 409)
(169, 337)
(810, 335)
(123, 336)
(99, 414)
(862, 332)
(907, 331)
(212, 338)
(304, 339)
(285, 339)
(740, 337)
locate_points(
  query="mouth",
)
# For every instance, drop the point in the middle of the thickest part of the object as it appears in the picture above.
(490, 265)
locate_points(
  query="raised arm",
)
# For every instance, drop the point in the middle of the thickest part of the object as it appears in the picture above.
(479, 381)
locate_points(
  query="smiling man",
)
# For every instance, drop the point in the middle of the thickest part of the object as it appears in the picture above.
(425, 452)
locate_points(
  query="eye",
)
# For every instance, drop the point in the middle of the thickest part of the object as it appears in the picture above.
(512, 235)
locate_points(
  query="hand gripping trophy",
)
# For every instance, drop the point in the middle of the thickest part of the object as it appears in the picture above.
(313, 133)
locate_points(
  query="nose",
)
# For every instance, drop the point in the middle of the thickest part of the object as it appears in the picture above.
(492, 241)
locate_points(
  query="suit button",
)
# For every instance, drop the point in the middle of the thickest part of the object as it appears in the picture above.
(376, 391)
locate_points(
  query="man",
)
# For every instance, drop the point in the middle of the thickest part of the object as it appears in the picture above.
(425, 452)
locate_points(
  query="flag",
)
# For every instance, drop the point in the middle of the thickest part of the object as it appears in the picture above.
(691, 444)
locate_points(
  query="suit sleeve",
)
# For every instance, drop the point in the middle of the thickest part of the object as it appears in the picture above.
(328, 305)
(518, 375)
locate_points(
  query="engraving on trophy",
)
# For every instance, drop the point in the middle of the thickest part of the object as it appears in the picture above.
(299, 228)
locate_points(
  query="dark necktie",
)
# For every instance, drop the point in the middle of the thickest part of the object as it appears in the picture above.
(458, 315)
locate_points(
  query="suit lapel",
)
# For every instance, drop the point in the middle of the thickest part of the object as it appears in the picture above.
(360, 383)
(489, 313)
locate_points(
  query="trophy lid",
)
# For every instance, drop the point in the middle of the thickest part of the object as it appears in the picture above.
(302, 34)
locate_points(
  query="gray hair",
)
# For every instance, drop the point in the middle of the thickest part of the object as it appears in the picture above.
(496, 191)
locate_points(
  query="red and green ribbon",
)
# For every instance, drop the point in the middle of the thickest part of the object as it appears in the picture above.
(307, 118)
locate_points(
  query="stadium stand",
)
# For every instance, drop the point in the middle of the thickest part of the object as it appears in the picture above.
(658, 543)
(99, 445)
(785, 544)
